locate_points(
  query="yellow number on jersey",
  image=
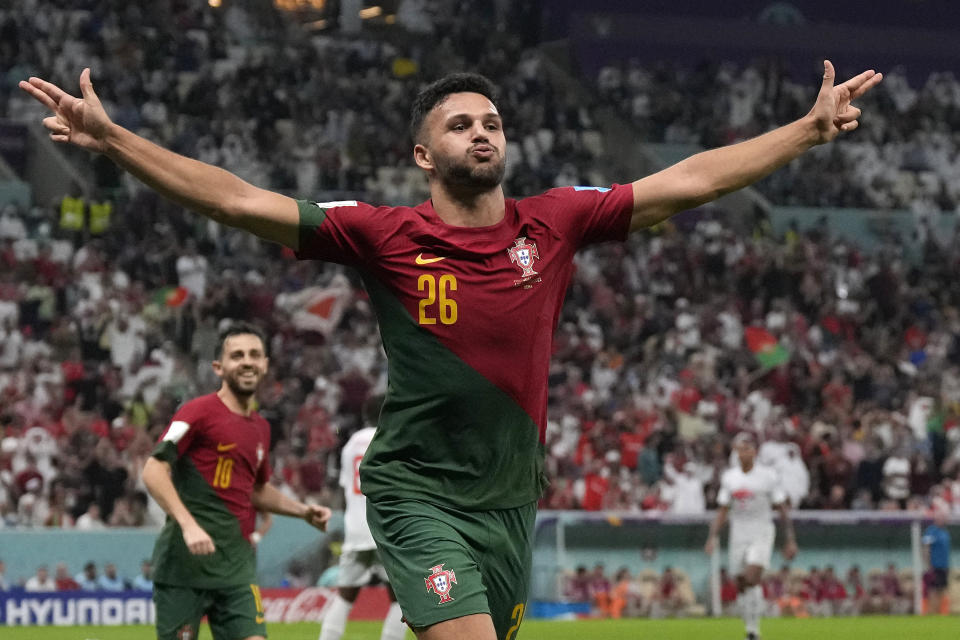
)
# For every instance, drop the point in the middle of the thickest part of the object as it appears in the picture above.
(448, 306)
(223, 473)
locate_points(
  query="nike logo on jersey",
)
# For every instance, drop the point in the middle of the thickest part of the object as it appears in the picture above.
(226, 447)
(422, 260)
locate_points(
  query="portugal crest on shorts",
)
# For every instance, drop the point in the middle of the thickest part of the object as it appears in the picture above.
(440, 582)
(523, 253)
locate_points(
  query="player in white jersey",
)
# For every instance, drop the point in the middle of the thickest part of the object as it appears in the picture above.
(359, 561)
(748, 493)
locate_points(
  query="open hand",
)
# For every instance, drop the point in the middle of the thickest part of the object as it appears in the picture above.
(833, 111)
(79, 121)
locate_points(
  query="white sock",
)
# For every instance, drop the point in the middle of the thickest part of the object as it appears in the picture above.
(394, 628)
(752, 608)
(335, 619)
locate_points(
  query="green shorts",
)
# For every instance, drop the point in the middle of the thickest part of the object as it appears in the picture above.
(234, 613)
(444, 563)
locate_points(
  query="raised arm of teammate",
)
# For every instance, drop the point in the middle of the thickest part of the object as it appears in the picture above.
(789, 538)
(715, 527)
(265, 497)
(206, 189)
(707, 176)
(156, 477)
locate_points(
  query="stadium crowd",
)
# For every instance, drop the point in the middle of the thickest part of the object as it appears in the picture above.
(844, 361)
(904, 157)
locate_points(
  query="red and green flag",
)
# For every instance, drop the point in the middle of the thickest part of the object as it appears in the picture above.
(765, 346)
(170, 296)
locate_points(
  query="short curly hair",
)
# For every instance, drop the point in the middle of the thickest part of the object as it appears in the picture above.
(436, 92)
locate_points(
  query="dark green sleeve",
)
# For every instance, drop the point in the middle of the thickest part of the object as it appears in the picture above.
(165, 451)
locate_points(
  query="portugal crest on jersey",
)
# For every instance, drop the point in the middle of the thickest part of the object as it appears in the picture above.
(523, 253)
(440, 582)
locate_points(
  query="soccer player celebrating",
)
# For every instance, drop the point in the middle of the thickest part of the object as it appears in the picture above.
(748, 493)
(468, 287)
(209, 472)
(359, 560)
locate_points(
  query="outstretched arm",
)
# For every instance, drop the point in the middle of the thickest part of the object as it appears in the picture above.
(707, 176)
(206, 189)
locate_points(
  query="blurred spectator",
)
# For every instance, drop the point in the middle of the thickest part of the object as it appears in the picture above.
(899, 599)
(41, 581)
(599, 589)
(63, 580)
(4, 585)
(669, 600)
(855, 590)
(90, 520)
(834, 594)
(110, 581)
(896, 478)
(577, 588)
(793, 604)
(144, 580)
(684, 491)
(87, 579)
(625, 597)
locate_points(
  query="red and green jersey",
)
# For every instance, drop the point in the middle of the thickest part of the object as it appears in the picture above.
(216, 457)
(467, 316)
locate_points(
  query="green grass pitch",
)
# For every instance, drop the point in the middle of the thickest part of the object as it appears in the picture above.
(867, 628)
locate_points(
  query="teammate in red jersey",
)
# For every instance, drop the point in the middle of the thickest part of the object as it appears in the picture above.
(468, 287)
(210, 473)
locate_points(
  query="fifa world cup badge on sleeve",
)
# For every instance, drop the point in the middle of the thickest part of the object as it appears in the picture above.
(440, 582)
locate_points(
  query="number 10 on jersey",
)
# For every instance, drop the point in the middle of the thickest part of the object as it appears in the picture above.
(437, 301)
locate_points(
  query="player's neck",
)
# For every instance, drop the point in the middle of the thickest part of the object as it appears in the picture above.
(467, 209)
(242, 406)
(746, 468)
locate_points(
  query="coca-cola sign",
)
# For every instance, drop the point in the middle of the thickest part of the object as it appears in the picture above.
(311, 604)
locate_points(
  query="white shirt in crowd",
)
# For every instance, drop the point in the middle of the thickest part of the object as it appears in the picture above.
(357, 536)
(750, 496)
(685, 494)
(192, 273)
(786, 460)
(896, 477)
(35, 584)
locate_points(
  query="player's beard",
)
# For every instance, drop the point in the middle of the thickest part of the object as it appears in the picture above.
(243, 388)
(479, 177)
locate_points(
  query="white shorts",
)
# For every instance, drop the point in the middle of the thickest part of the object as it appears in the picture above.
(357, 568)
(755, 549)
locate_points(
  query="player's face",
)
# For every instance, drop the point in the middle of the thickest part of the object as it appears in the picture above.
(747, 452)
(242, 364)
(465, 145)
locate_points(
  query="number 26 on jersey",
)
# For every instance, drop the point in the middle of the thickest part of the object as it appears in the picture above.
(436, 302)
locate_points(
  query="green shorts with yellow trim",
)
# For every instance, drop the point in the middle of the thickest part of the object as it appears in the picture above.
(234, 613)
(444, 563)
